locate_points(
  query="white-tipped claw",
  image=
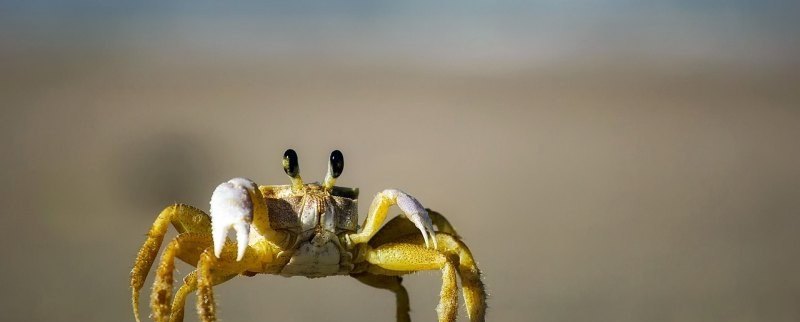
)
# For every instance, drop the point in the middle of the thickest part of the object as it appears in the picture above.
(242, 237)
(219, 234)
(231, 208)
(415, 212)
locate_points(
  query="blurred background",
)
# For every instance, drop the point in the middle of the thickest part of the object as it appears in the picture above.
(605, 160)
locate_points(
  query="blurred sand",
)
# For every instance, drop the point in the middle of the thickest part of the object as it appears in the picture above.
(595, 191)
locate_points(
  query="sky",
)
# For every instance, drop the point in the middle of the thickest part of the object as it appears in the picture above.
(490, 35)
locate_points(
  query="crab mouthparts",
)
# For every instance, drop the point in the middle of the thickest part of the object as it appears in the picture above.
(320, 239)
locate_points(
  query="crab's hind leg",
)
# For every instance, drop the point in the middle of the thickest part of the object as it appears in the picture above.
(185, 219)
(409, 254)
(392, 283)
(472, 287)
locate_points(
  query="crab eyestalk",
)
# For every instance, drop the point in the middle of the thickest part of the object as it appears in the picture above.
(292, 169)
(335, 167)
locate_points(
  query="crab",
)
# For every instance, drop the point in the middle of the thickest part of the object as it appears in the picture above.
(304, 230)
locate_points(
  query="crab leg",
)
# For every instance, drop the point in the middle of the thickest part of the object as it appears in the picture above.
(189, 286)
(411, 208)
(211, 269)
(409, 254)
(184, 218)
(186, 245)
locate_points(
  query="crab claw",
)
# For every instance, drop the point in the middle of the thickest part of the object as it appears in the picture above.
(231, 207)
(415, 212)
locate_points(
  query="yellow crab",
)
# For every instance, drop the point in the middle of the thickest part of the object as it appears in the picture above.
(304, 230)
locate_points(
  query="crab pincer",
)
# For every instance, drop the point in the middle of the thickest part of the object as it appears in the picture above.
(415, 212)
(232, 208)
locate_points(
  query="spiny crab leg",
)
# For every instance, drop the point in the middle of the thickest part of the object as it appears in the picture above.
(232, 208)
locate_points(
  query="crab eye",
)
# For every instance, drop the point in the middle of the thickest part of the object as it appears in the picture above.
(290, 163)
(337, 163)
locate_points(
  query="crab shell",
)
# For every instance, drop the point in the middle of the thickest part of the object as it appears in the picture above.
(317, 221)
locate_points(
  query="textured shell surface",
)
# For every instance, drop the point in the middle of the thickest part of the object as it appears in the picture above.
(286, 208)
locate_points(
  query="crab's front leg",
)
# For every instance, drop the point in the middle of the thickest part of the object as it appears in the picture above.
(411, 208)
(237, 204)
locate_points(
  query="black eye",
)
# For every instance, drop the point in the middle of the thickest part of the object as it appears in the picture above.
(290, 163)
(337, 163)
